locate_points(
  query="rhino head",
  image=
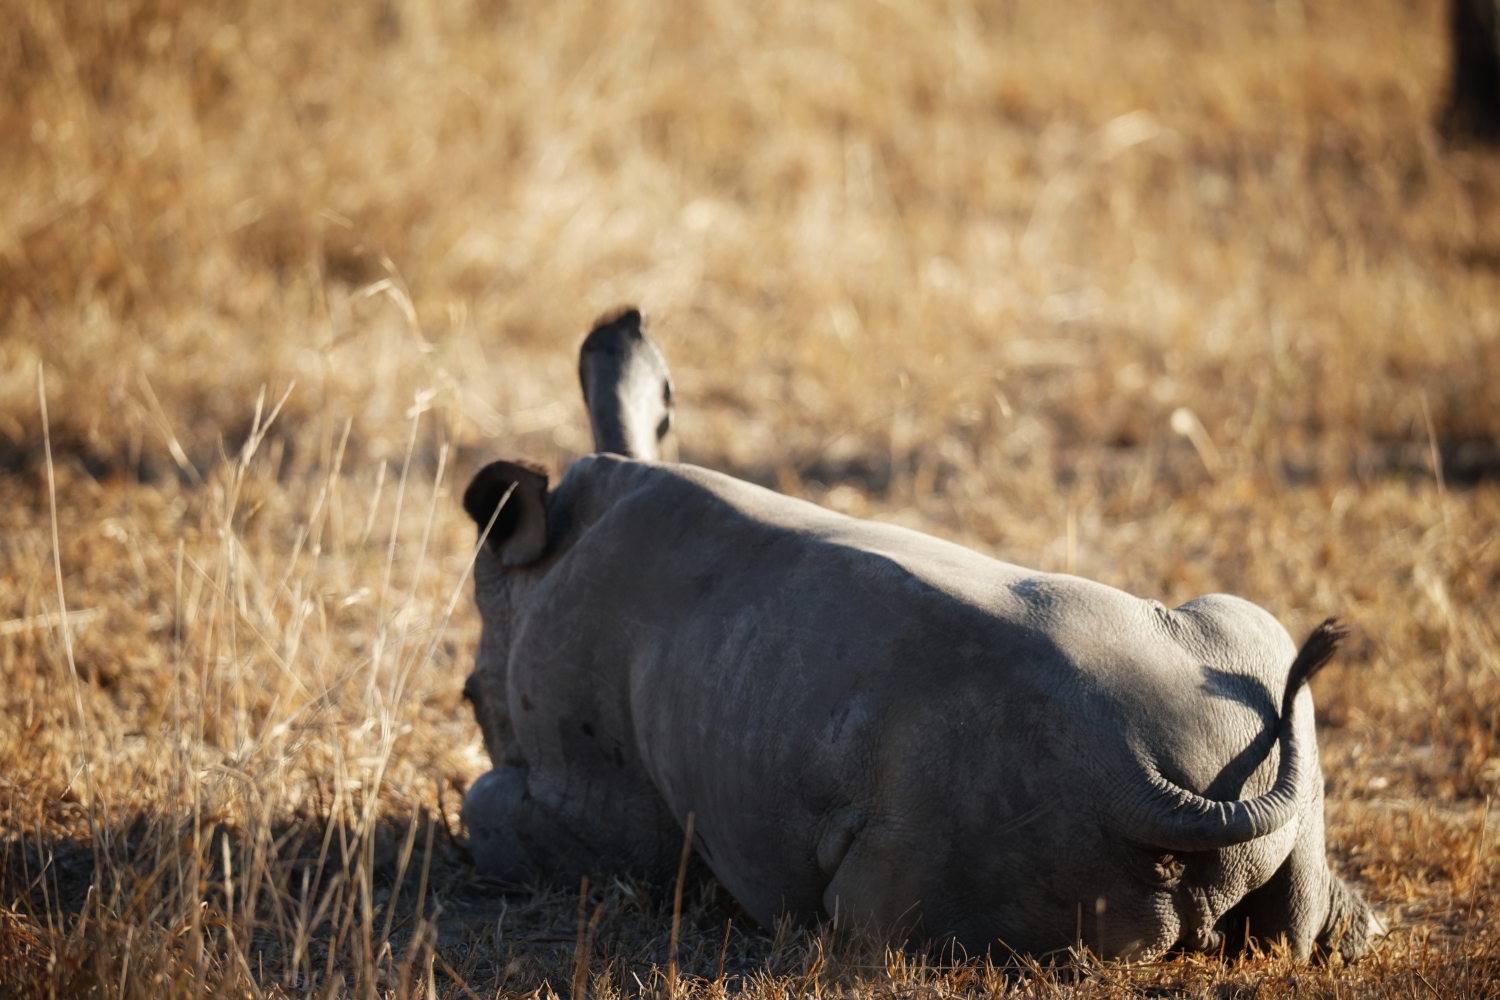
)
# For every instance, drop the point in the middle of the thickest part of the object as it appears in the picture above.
(627, 390)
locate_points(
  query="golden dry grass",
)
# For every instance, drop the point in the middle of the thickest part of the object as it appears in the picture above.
(1181, 297)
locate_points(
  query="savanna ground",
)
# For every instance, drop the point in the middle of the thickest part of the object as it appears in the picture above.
(1182, 297)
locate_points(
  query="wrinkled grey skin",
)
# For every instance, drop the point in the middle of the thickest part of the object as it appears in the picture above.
(875, 724)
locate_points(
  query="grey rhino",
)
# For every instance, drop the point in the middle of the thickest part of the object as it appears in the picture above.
(872, 724)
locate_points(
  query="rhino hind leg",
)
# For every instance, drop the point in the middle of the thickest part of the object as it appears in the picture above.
(1305, 904)
(1350, 922)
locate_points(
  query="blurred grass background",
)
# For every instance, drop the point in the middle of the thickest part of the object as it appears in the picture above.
(1180, 297)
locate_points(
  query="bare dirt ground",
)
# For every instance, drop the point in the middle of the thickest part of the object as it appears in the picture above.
(1181, 297)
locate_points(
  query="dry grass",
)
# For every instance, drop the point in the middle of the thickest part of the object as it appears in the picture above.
(965, 266)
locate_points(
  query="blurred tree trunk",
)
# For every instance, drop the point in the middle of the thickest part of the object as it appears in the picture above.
(1474, 100)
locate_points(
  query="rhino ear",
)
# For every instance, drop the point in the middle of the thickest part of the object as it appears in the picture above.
(519, 493)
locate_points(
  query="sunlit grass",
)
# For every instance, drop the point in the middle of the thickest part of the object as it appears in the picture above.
(1179, 297)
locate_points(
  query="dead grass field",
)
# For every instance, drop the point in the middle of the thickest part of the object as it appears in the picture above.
(1182, 297)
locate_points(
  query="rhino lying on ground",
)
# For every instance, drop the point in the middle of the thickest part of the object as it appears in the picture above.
(875, 724)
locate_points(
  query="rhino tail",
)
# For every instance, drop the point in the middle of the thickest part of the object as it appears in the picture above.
(626, 387)
(1171, 817)
(1311, 658)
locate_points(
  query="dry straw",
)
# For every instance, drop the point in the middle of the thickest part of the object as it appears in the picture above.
(1183, 298)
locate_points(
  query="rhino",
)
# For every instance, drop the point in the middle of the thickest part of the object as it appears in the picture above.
(873, 725)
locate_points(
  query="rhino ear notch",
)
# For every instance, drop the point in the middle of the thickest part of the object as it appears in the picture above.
(519, 534)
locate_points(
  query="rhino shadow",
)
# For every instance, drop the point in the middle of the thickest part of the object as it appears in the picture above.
(1254, 695)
